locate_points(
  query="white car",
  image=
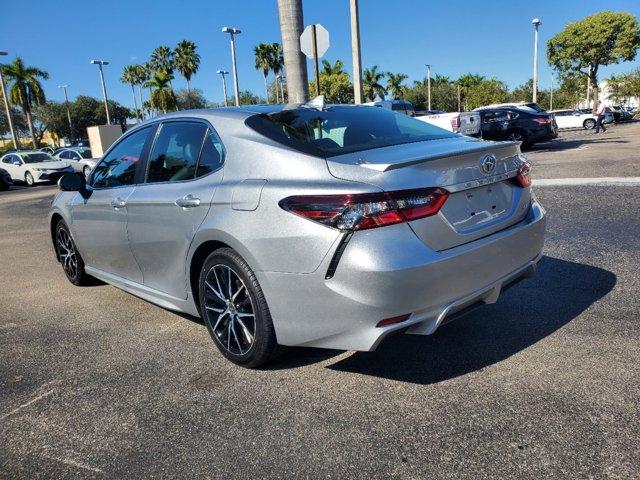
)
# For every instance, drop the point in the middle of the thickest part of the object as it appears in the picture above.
(574, 119)
(464, 123)
(79, 158)
(34, 167)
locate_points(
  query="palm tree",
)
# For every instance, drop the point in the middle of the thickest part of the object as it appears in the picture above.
(162, 59)
(141, 75)
(329, 69)
(277, 64)
(25, 89)
(371, 85)
(263, 54)
(187, 60)
(394, 84)
(290, 14)
(162, 96)
(129, 75)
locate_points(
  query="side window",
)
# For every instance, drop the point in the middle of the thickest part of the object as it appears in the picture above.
(175, 152)
(212, 155)
(119, 166)
(74, 156)
(65, 155)
(7, 159)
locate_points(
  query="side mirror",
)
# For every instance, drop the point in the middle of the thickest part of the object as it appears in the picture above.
(72, 182)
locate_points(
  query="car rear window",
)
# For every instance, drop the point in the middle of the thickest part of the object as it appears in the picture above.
(337, 130)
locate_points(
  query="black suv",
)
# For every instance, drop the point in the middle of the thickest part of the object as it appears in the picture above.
(521, 123)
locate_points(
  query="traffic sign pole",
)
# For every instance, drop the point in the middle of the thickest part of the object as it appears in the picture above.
(315, 59)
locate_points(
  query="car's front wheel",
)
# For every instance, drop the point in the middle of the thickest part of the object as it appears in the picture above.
(235, 311)
(28, 178)
(589, 124)
(87, 171)
(68, 255)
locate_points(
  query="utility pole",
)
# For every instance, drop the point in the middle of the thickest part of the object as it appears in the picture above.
(232, 33)
(459, 104)
(100, 63)
(66, 101)
(355, 50)
(551, 94)
(295, 63)
(588, 89)
(429, 87)
(222, 73)
(6, 107)
(536, 23)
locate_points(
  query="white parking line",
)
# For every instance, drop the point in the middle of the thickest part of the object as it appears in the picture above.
(602, 181)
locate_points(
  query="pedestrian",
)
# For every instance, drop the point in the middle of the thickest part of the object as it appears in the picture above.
(600, 113)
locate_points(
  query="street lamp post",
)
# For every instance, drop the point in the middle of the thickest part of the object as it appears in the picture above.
(100, 63)
(66, 101)
(536, 23)
(232, 33)
(6, 106)
(429, 86)
(280, 81)
(222, 73)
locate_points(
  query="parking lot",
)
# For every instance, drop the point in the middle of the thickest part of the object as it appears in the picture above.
(546, 383)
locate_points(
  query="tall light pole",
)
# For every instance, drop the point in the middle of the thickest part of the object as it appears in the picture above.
(100, 63)
(232, 33)
(280, 79)
(551, 94)
(536, 23)
(6, 107)
(66, 101)
(355, 50)
(222, 73)
(428, 86)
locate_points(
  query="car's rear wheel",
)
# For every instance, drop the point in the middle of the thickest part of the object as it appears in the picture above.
(86, 170)
(589, 124)
(235, 311)
(68, 256)
(519, 136)
(28, 178)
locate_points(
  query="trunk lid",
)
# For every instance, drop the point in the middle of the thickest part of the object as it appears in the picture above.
(480, 202)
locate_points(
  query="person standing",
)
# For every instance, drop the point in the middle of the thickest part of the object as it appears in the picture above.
(600, 113)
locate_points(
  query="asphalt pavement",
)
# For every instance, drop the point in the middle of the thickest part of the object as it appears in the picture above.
(96, 383)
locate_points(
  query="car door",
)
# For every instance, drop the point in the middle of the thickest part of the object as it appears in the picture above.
(99, 218)
(8, 165)
(183, 171)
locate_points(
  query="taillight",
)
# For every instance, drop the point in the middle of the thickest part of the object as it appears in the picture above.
(455, 122)
(524, 175)
(542, 121)
(361, 211)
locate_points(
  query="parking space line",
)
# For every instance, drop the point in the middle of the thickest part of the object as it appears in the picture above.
(601, 181)
(33, 400)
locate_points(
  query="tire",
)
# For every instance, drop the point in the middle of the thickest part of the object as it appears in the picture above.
(238, 317)
(86, 171)
(68, 256)
(28, 178)
(589, 124)
(519, 136)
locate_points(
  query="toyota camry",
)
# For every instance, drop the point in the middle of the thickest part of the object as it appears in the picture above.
(311, 225)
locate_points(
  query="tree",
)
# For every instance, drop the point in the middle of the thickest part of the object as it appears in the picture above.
(130, 76)
(263, 61)
(623, 86)
(604, 38)
(486, 92)
(277, 64)
(394, 84)
(194, 98)
(524, 93)
(162, 95)
(187, 60)
(335, 83)
(371, 86)
(88, 112)
(25, 89)
(247, 98)
(162, 60)
(336, 68)
(54, 116)
(444, 94)
(140, 75)
(290, 16)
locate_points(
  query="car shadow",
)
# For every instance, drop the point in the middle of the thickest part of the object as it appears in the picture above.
(560, 145)
(524, 315)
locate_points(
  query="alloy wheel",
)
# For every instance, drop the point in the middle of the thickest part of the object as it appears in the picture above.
(67, 253)
(515, 137)
(29, 179)
(229, 310)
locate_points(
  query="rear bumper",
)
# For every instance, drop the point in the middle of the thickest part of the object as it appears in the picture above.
(388, 272)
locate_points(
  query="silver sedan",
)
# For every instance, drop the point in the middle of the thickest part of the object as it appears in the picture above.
(322, 226)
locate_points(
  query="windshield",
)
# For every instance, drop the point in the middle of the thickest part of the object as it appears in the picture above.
(343, 129)
(37, 157)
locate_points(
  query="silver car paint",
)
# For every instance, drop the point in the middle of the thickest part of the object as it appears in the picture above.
(428, 268)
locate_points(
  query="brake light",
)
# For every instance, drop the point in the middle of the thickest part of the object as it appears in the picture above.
(455, 122)
(524, 175)
(542, 121)
(367, 210)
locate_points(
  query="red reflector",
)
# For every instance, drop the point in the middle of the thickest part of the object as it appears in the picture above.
(524, 175)
(455, 122)
(393, 320)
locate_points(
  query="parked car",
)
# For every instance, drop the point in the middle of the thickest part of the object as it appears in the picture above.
(48, 150)
(34, 167)
(5, 180)
(80, 158)
(464, 123)
(517, 123)
(608, 116)
(570, 118)
(620, 114)
(329, 226)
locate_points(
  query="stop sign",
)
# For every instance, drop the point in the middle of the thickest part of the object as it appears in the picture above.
(322, 40)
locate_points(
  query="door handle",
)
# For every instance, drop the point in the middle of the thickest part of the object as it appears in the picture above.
(188, 201)
(118, 203)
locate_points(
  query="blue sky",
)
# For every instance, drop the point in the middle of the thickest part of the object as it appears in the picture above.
(492, 38)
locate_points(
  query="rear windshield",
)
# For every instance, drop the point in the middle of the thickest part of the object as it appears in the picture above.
(343, 129)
